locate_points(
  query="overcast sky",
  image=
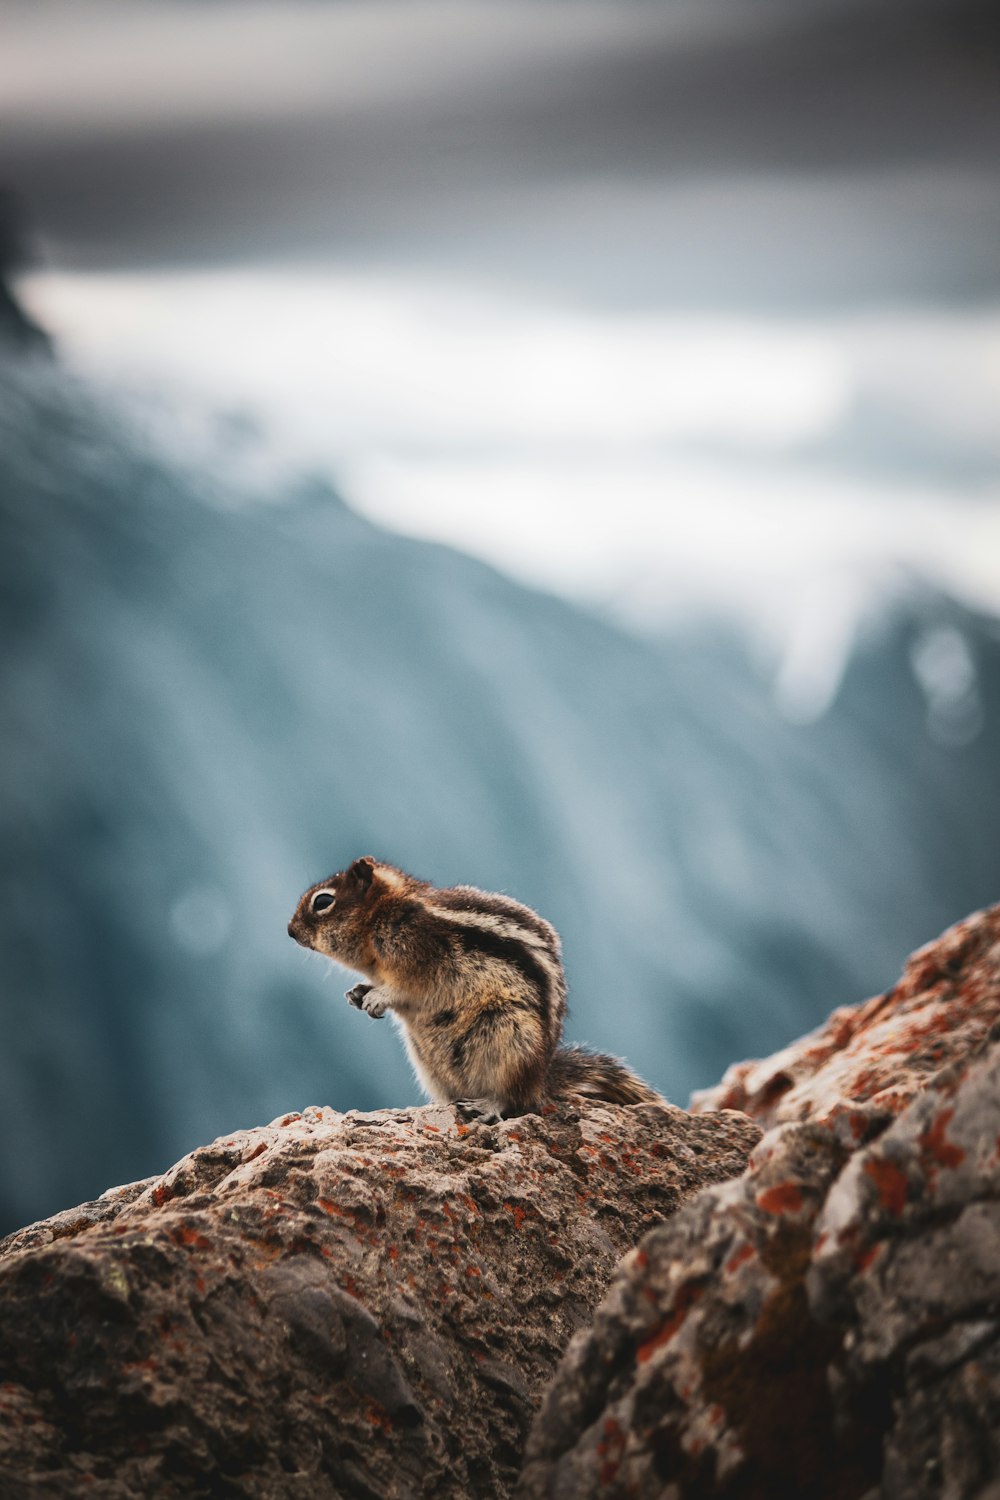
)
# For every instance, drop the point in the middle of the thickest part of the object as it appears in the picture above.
(656, 302)
(687, 152)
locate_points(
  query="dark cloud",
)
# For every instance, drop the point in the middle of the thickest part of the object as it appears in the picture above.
(828, 153)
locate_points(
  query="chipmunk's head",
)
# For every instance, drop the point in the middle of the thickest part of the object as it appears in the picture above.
(332, 917)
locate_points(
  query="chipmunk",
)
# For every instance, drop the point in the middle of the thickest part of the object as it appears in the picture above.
(475, 982)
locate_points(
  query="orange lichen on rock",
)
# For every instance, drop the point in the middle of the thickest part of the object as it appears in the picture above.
(890, 1182)
(935, 1145)
(783, 1198)
(685, 1299)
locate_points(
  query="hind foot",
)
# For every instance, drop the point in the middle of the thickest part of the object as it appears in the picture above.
(480, 1111)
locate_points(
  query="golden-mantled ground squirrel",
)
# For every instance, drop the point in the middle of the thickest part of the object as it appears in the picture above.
(474, 980)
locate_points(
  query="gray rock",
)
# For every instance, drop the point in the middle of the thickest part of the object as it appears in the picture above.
(362, 1305)
(827, 1325)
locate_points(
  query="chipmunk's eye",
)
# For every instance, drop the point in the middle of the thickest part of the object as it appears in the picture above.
(322, 901)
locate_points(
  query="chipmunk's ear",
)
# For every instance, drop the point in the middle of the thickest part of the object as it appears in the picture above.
(361, 872)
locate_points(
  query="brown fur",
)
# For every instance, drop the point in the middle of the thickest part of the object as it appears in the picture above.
(475, 981)
(593, 1075)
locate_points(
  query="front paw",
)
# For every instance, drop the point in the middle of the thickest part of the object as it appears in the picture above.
(367, 998)
(356, 997)
(479, 1111)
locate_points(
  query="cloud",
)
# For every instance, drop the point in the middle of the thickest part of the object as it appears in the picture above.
(689, 154)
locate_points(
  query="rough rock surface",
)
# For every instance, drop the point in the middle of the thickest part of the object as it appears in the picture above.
(877, 1056)
(829, 1324)
(907, 1258)
(334, 1305)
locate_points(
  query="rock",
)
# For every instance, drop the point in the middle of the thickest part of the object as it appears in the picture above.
(907, 1258)
(870, 1060)
(703, 1366)
(828, 1325)
(363, 1305)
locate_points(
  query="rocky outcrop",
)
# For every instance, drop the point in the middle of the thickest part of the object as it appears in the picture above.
(335, 1305)
(875, 1057)
(373, 1305)
(829, 1324)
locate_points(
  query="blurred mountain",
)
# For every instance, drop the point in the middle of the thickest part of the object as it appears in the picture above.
(18, 331)
(213, 698)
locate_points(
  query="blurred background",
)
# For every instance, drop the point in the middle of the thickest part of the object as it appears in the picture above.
(550, 445)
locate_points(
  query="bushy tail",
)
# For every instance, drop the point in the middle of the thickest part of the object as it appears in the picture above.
(577, 1073)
